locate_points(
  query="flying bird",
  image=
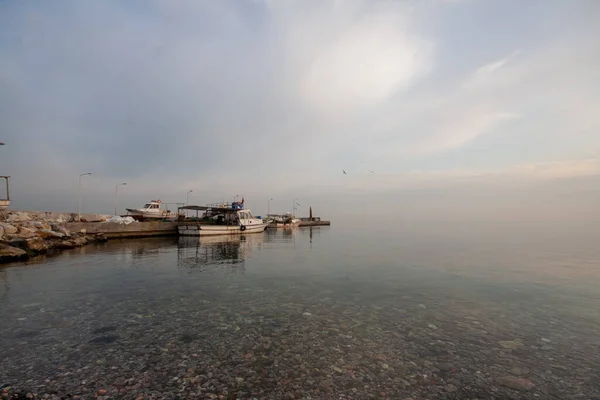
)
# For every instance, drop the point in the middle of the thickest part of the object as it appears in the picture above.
(344, 171)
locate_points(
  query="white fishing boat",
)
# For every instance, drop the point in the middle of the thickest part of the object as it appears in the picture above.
(220, 220)
(286, 220)
(151, 210)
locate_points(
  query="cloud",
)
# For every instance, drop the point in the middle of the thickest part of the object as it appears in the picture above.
(275, 97)
(485, 72)
(364, 65)
(378, 183)
(544, 192)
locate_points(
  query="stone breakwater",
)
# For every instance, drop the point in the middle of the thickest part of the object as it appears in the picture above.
(24, 235)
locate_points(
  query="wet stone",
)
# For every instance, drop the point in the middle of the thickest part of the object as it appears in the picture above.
(253, 341)
(511, 344)
(27, 334)
(515, 383)
(187, 338)
(104, 339)
(104, 329)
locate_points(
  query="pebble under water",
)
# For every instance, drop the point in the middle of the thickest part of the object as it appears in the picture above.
(319, 313)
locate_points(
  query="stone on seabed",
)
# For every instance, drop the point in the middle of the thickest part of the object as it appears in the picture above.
(515, 383)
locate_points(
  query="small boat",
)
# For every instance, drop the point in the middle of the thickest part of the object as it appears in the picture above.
(151, 210)
(286, 220)
(220, 219)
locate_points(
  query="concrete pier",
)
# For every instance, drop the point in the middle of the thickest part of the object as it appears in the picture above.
(274, 225)
(314, 223)
(115, 230)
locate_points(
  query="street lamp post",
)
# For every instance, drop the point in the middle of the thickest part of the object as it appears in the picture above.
(117, 194)
(187, 197)
(269, 206)
(79, 206)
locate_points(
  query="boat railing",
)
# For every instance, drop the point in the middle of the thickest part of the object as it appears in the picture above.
(219, 205)
(166, 207)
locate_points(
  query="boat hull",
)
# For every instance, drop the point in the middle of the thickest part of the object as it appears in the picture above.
(141, 214)
(284, 224)
(214, 230)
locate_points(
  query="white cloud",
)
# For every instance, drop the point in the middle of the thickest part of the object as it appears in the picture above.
(487, 73)
(536, 172)
(278, 95)
(365, 65)
(340, 58)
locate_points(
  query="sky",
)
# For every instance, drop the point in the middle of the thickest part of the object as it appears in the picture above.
(437, 109)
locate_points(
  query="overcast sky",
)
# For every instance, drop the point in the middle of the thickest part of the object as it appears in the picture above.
(462, 108)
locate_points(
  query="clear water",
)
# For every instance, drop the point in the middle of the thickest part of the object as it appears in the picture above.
(439, 311)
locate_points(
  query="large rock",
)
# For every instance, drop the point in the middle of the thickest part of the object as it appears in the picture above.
(515, 383)
(100, 237)
(37, 225)
(18, 242)
(37, 245)
(47, 234)
(60, 229)
(65, 244)
(8, 228)
(26, 233)
(17, 216)
(10, 253)
(70, 243)
(80, 240)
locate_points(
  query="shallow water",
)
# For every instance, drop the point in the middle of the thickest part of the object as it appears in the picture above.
(427, 312)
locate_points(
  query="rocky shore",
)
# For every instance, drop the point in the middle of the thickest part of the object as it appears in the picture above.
(24, 235)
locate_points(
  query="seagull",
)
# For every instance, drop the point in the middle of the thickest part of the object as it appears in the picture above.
(344, 171)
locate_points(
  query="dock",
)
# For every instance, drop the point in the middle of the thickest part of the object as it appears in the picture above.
(314, 223)
(113, 230)
(147, 229)
(304, 222)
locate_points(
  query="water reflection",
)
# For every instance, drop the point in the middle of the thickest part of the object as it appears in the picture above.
(278, 311)
(214, 251)
(4, 286)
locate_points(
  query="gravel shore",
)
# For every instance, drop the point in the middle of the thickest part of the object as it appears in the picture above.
(243, 345)
(132, 325)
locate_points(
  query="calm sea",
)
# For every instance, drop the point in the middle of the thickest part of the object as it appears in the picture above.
(446, 311)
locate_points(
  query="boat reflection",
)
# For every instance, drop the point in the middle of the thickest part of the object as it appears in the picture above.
(206, 252)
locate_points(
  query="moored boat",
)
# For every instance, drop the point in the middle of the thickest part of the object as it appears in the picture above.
(151, 210)
(219, 220)
(286, 220)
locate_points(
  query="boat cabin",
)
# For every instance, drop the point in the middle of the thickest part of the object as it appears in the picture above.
(154, 205)
(227, 216)
(231, 215)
